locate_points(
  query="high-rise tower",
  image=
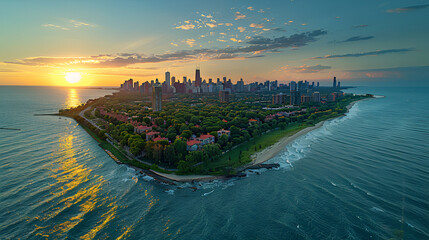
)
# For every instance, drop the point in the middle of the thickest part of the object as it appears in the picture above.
(167, 78)
(156, 98)
(334, 85)
(197, 77)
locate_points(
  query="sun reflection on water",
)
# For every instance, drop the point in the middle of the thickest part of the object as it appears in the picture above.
(73, 99)
(75, 186)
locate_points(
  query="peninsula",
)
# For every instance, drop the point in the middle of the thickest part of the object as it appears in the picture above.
(201, 136)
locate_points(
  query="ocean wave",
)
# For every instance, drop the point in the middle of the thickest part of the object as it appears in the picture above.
(298, 149)
(207, 193)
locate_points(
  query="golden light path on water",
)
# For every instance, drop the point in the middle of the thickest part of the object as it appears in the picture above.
(73, 99)
(77, 194)
(77, 186)
(69, 176)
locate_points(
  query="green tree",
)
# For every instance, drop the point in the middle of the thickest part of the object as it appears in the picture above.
(186, 134)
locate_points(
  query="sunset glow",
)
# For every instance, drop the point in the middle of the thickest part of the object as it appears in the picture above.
(73, 77)
(255, 41)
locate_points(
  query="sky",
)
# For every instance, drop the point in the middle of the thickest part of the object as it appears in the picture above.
(106, 42)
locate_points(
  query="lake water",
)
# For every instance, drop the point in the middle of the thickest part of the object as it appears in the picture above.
(362, 176)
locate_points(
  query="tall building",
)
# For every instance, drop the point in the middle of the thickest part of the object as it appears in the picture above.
(184, 79)
(316, 97)
(279, 98)
(339, 84)
(167, 78)
(173, 80)
(292, 86)
(136, 86)
(305, 99)
(224, 96)
(156, 98)
(197, 78)
(334, 85)
(295, 98)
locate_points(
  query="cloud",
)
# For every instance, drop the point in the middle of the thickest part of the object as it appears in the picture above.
(191, 42)
(250, 8)
(207, 16)
(407, 9)
(358, 38)
(228, 24)
(238, 16)
(235, 40)
(277, 29)
(53, 26)
(211, 25)
(252, 48)
(373, 53)
(360, 26)
(241, 29)
(295, 40)
(186, 27)
(255, 25)
(80, 24)
(70, 23)
(174, 44)
(311, 69)
(7, 70)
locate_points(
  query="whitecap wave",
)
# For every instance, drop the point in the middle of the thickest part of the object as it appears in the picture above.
(207, 193)
(298, 149)
(169, 191)
(376, 209)
(147, 178)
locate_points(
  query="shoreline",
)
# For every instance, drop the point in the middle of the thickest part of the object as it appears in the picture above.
(271, 151)
(258, 158)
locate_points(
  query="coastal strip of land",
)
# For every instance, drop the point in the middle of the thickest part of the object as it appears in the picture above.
(257, 158)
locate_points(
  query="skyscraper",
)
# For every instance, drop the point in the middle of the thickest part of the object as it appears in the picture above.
(224, 96)
(316, 97)
(295, 98)
(334, 85)
(156, 98)
(197, 78)
(167, 78)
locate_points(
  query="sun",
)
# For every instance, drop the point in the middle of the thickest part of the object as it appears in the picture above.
(73, 77)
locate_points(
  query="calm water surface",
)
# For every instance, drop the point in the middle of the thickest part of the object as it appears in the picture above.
(362, 176)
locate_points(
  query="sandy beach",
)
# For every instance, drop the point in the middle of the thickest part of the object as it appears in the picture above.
(273, 150)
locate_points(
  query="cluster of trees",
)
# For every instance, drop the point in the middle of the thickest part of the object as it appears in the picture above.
(181, 119)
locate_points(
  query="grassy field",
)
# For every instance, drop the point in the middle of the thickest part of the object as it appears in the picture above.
(234, 159)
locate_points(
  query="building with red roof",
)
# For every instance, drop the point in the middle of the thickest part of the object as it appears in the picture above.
(252, 121)
(193, 145)
(142, 129)
(160, 139)
(206, 139)
(151, 135)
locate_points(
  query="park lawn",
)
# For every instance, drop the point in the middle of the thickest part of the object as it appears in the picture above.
(253, 146)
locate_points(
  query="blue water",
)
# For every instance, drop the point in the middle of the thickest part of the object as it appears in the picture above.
(362, 176)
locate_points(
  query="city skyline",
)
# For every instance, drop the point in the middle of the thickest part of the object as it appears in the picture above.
(93, 44)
